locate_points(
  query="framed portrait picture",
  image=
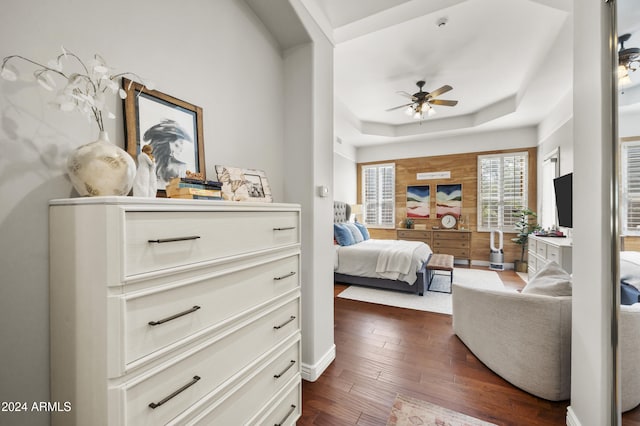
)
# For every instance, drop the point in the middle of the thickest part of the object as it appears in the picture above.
(172, 127)
(449, 200)
(419, 201)
(244, 184)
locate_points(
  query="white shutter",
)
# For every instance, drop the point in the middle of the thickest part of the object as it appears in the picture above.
(502, 188)
(378, 195)
(630, 188)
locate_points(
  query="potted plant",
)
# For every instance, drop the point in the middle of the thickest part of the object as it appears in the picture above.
(408, 223)
(526, 223)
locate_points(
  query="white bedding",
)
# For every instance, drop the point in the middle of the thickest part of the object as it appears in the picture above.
(390, 259)
(630, 268)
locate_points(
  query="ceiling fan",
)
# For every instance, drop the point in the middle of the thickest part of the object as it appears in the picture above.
(422, 101)
(628, 60)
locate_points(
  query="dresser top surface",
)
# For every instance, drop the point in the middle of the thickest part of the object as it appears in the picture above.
(556, 241)
(168, 202)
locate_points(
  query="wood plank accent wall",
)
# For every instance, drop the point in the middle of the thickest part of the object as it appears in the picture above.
(464, 170)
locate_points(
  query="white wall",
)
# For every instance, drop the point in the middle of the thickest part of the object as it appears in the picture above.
(345, 179)
(591, 375)
(309, 159)
(524, 137)
(629, 124)
(210, 53)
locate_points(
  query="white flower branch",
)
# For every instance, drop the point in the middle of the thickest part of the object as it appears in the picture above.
(84, 92)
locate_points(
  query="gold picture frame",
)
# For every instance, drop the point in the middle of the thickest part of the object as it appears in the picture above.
(170, 125)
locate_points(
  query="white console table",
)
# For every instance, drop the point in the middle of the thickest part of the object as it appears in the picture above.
(545, 249)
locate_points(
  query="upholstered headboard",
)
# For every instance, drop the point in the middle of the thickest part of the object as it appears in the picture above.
(341, 211)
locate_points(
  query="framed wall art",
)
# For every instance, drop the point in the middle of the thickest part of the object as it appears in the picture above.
(172, 127)
(449, 200)
(244, 184)
(419, 201)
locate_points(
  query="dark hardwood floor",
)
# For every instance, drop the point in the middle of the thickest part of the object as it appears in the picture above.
(382, 351)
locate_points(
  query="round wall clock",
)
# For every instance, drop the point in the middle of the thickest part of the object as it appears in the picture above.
(448, 221)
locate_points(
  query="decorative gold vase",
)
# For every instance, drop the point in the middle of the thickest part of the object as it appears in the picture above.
(101, 168)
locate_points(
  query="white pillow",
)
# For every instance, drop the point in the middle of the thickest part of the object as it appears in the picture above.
(357, 235)
(551, 280)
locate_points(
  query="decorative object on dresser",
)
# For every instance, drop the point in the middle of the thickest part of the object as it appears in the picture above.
(244, 184)
(543, 250)
(526, 223)
(99, 167)
(194, 188)
(449, 200)
(449, 221)
(170, 125)
(146, 184)
(174, 311)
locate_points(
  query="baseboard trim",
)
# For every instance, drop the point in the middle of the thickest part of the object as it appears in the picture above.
(572, 419)
(311, 373)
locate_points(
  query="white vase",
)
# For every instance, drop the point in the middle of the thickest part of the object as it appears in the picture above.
(101, 168)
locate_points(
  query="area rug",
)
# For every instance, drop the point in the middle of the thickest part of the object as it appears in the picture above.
(431, 301)
(408, 411)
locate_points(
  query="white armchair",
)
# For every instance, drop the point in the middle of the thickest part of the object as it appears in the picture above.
(524, 338)
(629, 344)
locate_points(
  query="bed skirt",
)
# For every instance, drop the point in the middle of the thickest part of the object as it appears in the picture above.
(419, 287)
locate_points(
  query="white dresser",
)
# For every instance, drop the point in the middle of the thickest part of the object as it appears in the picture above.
(542, 250)
(168, 311)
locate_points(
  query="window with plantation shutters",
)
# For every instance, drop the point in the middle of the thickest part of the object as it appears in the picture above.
(502, 188)
(378, 195)
(630, 188)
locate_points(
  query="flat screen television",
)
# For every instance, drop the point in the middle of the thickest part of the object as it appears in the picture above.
(563, 187)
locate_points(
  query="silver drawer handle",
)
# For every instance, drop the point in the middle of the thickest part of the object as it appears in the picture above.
(278, 327)
(291, 410)
(284, 229)
(171, 240)
(155, 405)
(284, 276)
(172, 317)
(291, 364)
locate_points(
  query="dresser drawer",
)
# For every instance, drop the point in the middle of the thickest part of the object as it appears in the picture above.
(287, 409)
(461, 253)
(451, 235)
(532, 243)
(541, 250)
(207, 368)
(160, 240)
(242, 405)
(451, 243)
(180, 311)
(553, 254)
(413, 235)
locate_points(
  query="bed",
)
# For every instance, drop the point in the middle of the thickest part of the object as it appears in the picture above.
(365, 263)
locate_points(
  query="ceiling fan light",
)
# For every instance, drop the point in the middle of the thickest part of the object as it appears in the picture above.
(622, 71)
(417, 114)
(431, 111)
(409, 111)
(624, 81)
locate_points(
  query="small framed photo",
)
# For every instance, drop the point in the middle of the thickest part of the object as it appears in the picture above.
(172, 127)
(244, 184)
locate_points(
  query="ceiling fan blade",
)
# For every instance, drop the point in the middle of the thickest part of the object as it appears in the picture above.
(408, 95)
(442, 102)
(398, 107)
(440, 91)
